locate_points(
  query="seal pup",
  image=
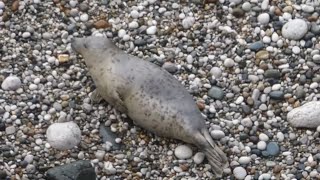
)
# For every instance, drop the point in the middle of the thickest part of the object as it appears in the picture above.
(148, 94)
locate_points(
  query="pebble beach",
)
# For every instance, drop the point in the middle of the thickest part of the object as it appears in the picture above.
(253, 68)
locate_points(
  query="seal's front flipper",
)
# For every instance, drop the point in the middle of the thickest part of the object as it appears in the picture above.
(118, 103)
(96, 97)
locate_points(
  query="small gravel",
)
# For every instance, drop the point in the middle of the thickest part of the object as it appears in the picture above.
(251, 66)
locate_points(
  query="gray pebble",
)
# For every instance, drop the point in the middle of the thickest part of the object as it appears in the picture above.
(256, 46)
(170, 67)
(273, 148)
(10, 130)
(216, 93)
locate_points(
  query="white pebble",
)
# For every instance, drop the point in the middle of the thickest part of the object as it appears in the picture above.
(276, 87)
(183, 152)
(121, 33)
(33, 87)
(264, 4)
(228, 62)
(188, 22)
(274, 37)
(133, 25)
(305, 116)
(216, 72)
(38, 141)
(262, 145)
(246, 6)
(280, 136)
(244, 160)
(265, 176)
(162, 10)
(294, 29)
(126, 37)
(217, 134)
(2, 5)
(84, 17)
(63, 136)
(296, 50)
(307, 8)
(100, 154)
(152, 30)
(239, 100)
(314, 85)
(189, 59)
(26, 34)
(263, 137)
(264, 18)
(239, 173)
(266, 39)
(134, 14)
(11, 83)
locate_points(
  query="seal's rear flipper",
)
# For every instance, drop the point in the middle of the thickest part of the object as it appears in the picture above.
(217, 158)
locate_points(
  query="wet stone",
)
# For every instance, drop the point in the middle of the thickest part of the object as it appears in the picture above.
(277, 95)
(272, 73)
(273, 148)
(109, 136)
(79, 170)
(216, 93)
(256, 46)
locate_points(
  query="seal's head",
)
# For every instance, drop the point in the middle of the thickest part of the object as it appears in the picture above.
(93, 43)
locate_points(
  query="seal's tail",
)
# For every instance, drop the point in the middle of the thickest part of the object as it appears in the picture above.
(217, 158)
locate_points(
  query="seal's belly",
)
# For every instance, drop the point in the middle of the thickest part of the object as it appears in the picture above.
(163, 118)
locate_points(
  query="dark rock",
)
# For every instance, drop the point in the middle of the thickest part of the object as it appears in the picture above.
(276, 95)
(238, 12)
(272, 73)
(308, 44)
(79, 170)
(108, 135)
(277, 25)
(302, 79)
(254, 139)
(256, 152)
(243, 136)
(84, 7)
(2, 111)
(265, 153)
(308, 36)
(287, 51)
(256, 46)
(3, 174)
(309, 74)
(246, 109)
(2, 126)
(299, 175)
(301, 166)
(315, 28)
(140, 42)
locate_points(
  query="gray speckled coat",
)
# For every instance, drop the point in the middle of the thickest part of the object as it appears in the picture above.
(148, 94)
